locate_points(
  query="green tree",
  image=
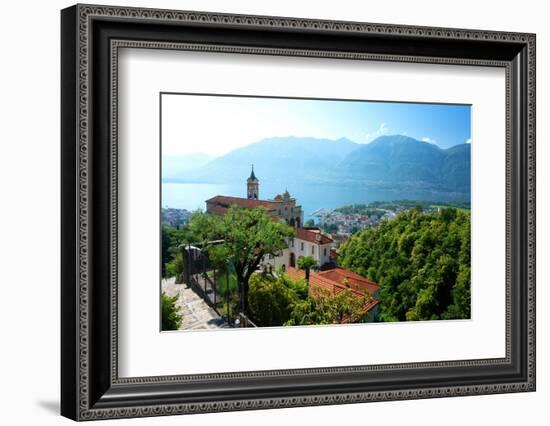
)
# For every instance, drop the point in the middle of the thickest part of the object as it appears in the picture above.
(175, 267)
(171, 238)
(310, 223)
(300, 287)
(270, 301)
(307, 263)
(171, 315)
(331, 228)
(421, 261)
(325, 308)
(243, 237)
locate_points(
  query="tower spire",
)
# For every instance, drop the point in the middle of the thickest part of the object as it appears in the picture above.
(252, 175)
(252, 186)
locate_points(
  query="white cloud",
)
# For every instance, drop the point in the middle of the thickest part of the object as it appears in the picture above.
(382, 130)
(469, 140)
(428, 140)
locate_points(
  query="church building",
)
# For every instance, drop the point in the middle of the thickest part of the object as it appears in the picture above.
(306, 242)
(281, 206)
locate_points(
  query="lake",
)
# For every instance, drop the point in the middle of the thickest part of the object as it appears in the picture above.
(192, 196)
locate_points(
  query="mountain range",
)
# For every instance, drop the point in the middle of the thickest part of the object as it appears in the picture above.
(393, 161)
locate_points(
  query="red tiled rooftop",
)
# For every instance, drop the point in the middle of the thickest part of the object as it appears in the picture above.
(312, 235)
(295, 273)
(320, 280)
(218, 210)
(355, 281)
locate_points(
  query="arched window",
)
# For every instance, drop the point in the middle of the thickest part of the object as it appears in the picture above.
(297, 222)
(291, 223)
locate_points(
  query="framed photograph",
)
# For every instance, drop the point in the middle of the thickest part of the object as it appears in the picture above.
(263, 212)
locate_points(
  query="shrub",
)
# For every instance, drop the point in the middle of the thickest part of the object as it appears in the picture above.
(326, 308)
(299, 287)
(270, 301)
(171, 316)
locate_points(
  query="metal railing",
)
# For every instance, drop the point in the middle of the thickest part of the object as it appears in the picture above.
(201, 275)
(243, 321)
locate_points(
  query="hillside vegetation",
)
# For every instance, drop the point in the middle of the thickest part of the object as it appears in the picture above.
(421, 261)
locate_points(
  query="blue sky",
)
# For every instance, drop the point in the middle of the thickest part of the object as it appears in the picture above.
(216, 125)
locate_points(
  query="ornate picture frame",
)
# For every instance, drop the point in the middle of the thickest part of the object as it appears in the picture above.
(90, 39)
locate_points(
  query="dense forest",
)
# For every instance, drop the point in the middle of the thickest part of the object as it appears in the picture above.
(421, 261)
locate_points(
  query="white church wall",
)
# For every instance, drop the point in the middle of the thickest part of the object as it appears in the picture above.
(324, 254)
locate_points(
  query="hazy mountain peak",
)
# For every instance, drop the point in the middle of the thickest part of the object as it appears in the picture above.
(390, 161)
(344, 140)
(308, 139)
(397, 138)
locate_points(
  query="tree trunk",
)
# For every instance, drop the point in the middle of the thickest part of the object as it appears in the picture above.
(245, 298)
(240, 285)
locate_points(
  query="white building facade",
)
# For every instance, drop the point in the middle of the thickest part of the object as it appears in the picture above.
(306, 242)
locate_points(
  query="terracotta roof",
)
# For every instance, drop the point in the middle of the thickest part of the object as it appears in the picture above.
(225, 201)
(321, 280)
(317, 282)
(218, 210)
(371, 304)
(312, 235)
(355, 281)
(295, 273)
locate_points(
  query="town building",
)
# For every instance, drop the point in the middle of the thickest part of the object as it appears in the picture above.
(336, 280)
(306, 242)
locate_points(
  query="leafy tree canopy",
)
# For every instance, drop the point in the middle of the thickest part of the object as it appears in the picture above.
(270, 300)
(171, 239)
(310, 223)
(244, 237)
(307, 263)
(421, 261)
(325, 308)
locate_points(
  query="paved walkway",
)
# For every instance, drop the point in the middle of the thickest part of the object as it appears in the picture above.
(197, 315)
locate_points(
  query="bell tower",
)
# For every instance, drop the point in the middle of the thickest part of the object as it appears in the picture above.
(252, 186)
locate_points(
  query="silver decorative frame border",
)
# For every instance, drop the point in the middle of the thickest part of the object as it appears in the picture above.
(86, 13)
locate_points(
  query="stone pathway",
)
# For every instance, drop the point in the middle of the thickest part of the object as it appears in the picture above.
(197, 315)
